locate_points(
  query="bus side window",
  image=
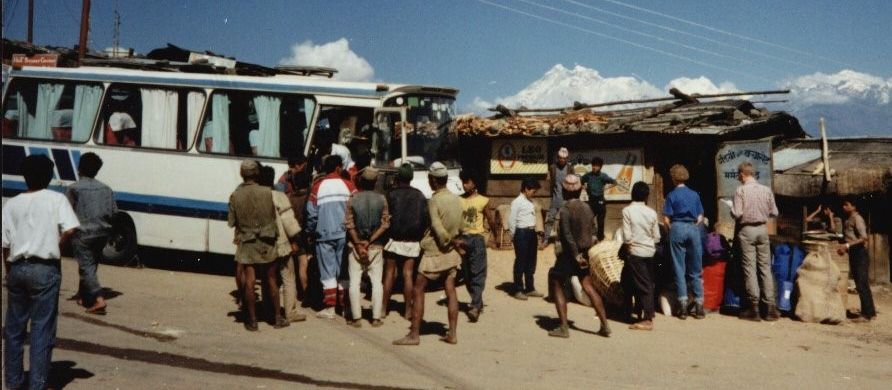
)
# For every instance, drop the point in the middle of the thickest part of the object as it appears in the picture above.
(55, 111)
(255, 124)
(149, 116)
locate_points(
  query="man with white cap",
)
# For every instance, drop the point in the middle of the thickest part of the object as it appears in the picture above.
(575, 237)
(123, 130)
(440, 257)
(367, 223)
(556, 174)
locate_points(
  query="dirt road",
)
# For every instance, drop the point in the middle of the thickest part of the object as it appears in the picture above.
(176, 330)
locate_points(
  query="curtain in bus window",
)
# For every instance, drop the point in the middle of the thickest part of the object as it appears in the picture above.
(86, 103)
(25, 118)
(159, 118)
(268, 118)
(194, 104)
(309, 107)
(216, 130)
(48, 96)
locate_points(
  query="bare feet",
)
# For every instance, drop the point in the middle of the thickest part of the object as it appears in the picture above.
(605, 331)
(408, 340)
(449, 338)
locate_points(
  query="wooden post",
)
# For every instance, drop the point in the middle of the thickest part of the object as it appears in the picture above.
(85, 28)
(30, 21)
(825, 152)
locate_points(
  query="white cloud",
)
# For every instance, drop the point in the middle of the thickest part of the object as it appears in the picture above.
(842, 87)
(336, 54)
(701, 85)
(560, 87)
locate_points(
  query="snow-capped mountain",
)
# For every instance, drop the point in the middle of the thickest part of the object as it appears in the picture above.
(852, 103)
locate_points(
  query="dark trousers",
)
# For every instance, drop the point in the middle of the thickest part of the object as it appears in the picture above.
(637, 280)
(859, 263)
(525, 244)
(88, 251)
(474, 267)
(599, 208)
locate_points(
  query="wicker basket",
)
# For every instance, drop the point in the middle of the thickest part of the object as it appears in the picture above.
(606, 268)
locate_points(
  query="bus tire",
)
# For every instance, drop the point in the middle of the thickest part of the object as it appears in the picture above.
(121, 245)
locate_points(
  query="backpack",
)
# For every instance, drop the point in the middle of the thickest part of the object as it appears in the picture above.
(716, 247)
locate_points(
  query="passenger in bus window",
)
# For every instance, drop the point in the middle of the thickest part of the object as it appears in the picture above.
(61, 125)
(10, 122)
(123, 130)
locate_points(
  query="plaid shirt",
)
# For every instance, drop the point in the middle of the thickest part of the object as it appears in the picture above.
(753, 203)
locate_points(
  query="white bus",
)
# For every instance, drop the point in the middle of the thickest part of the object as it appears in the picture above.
(172, 141)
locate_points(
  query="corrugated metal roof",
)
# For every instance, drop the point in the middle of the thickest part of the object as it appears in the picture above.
(791, 157)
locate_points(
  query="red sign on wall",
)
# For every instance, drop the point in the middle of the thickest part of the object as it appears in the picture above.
(42, 60)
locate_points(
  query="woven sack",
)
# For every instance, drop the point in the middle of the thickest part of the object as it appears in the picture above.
(817, 280)
(606, 268)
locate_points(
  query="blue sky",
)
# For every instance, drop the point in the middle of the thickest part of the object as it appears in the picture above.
(490, 52)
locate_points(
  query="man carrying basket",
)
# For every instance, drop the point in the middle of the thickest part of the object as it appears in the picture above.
(575, 238)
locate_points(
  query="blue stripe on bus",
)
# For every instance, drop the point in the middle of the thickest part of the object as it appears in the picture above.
(152, 204)
(63, 164)
(216, 84)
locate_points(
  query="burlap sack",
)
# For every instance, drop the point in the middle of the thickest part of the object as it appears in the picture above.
(606, 268)
(817, 281)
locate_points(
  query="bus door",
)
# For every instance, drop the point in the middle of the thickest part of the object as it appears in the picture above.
(391, 126)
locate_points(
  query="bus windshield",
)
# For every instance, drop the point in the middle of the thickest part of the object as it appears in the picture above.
(427, 138)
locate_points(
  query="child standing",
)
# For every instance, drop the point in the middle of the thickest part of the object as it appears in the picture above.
(641, 232)
(522, 225)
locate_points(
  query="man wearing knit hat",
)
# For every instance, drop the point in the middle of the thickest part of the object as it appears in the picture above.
(575, 237)
(556, 174)
(440, 260)
(409, 220)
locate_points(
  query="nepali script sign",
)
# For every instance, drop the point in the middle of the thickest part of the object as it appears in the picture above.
(518, 157)
(731, 154)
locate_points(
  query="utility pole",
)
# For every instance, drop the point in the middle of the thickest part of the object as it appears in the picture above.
(30, 21)
(85, 27)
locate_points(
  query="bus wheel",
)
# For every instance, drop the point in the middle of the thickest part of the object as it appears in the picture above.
(121, 245)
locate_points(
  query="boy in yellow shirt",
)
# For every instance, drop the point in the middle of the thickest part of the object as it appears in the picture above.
(476, 210)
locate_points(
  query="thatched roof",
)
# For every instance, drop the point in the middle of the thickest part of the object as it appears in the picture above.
(858, 166)
(714, 118)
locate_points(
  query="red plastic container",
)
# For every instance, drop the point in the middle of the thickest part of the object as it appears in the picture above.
(713, 284)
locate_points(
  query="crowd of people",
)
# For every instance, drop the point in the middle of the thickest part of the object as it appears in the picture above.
(350, 230)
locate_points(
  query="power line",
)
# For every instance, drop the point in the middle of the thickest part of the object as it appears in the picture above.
(682, 32)
(628, 42)
(720, 31)
(633, 31)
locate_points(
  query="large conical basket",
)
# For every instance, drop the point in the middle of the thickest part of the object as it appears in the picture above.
(606, 268)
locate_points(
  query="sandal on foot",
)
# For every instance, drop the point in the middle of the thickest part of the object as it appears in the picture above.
(354, 323)
(641, 326)
(604, 332)
(97, 310)
(562, 332)
(377, 323)
(449, 338)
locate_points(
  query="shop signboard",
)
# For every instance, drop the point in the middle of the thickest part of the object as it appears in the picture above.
(523, 156)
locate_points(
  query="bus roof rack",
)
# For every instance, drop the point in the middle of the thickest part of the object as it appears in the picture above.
(301, 70)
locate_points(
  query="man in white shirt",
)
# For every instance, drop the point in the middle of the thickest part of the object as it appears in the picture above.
(641, 231)
(522, 225)
(35, 223)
